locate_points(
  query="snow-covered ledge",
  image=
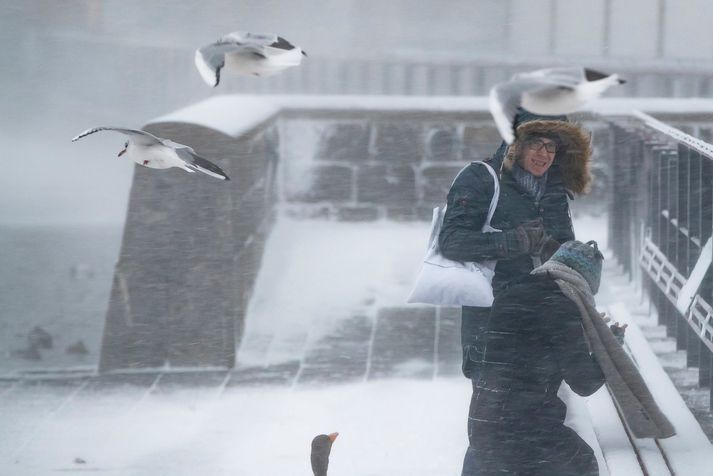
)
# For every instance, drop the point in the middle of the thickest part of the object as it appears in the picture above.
(234, 112)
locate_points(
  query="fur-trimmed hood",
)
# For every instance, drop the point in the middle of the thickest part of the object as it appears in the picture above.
(573, 154)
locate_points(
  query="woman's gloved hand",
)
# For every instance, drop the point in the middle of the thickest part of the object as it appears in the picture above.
(618, 332)
(530, 236)
(616, 329)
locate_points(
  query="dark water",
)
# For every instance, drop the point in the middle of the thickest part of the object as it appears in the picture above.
(57, 277)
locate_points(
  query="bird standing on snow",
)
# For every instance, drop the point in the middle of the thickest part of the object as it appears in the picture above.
(246, 53)
(548, 92)
(156, 153)
(321, 447)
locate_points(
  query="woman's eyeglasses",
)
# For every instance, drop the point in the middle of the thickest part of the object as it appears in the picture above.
(538, 144)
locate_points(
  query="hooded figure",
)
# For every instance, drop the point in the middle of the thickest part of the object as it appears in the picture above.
(528, 195)
(533, 211)
(533, 341)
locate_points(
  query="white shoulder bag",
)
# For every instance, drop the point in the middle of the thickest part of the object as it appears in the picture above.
(445, 282)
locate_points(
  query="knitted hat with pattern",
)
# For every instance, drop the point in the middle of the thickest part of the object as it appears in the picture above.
(585, 258)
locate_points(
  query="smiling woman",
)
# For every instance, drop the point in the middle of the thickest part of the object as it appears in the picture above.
(538, 155)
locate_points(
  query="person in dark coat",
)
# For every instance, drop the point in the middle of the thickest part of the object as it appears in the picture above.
(546, 164)
(532, 342)
(319, 456)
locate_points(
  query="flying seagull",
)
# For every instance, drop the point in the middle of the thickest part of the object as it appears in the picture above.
(548, 92)
(246, 53)
(321, 447)
(156, 153)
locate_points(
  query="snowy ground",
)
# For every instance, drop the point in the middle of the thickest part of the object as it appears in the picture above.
(388, 426)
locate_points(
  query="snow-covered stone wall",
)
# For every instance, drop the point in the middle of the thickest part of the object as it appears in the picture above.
(190, 252)
(192, 245)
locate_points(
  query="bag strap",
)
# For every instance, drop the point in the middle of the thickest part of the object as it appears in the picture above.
(496, 193)
(496, 189)
(439, 212)
(463, 170)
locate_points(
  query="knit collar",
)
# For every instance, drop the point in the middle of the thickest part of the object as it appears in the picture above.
(534, 186)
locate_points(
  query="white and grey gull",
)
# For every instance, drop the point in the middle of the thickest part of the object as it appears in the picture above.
(247, 53)
(156, 153)
(550, 92)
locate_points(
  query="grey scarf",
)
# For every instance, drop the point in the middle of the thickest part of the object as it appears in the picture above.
(534, 186)
(626, 385)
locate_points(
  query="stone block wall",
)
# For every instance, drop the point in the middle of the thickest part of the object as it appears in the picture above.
(190, 253)
(370, 166)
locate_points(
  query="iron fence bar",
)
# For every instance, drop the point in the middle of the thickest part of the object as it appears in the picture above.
(670, 281)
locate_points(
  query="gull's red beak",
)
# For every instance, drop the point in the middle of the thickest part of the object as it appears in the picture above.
(333, 436)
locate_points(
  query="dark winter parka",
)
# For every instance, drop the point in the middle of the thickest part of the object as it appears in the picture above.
(469, 198)
(533, 341)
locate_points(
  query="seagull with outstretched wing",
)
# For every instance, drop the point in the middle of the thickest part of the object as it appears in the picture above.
(549, 92)
(157, 153)
(253, 54)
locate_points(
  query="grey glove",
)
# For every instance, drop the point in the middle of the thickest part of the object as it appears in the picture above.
(531, 236)
(618, 332)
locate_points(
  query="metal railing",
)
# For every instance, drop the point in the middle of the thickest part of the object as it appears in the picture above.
(661, 223)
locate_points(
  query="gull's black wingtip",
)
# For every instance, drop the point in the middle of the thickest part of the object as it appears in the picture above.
(217, 77)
